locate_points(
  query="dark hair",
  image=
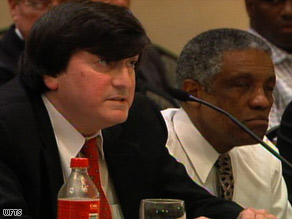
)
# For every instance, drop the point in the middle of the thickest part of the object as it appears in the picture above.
(109, 31)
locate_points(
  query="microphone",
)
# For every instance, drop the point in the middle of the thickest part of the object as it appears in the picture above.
(184, 96)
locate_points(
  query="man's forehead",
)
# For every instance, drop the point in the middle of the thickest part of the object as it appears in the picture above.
(238, 54)
(251, 61)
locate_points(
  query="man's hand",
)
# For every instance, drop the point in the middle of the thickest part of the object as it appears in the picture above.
(251, 213)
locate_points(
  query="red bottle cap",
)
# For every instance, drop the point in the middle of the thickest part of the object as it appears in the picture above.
(79, 162)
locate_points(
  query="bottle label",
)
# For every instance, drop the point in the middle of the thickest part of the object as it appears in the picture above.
(78, 209)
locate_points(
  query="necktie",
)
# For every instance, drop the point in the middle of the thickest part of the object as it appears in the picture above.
(90, 151)
(225, 176)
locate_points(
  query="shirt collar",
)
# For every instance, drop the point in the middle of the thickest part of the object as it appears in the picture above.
(70, 141)
(18, 33)
(278, 55)
(201, 154)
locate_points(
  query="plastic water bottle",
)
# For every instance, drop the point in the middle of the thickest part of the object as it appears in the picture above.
(78, 198)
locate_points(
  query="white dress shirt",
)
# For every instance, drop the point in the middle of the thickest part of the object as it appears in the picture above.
(70, 142)
(258, 180)
(283, 89)
(18, 33)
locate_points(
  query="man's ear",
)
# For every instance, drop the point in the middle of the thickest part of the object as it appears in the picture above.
(51, 82)
(192, 87)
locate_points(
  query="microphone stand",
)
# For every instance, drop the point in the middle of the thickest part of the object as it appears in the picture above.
(184, 96)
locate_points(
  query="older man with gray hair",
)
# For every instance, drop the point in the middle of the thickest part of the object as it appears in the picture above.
(233, 70)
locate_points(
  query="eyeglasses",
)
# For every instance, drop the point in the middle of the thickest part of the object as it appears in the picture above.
(37, 4)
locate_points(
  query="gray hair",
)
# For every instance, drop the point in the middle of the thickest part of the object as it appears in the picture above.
(201, 58)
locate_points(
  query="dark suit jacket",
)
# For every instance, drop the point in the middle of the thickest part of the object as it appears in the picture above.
(11, 47)
(284, 143)
(138, 161)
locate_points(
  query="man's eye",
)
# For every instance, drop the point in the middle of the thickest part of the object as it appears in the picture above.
(242, 84)
(132, 64)
(104, 62)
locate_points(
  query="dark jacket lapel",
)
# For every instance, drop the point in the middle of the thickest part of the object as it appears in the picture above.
(125, 164)
(49, 149)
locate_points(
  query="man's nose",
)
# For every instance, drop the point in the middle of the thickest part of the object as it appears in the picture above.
(261, 99)
(125, 77)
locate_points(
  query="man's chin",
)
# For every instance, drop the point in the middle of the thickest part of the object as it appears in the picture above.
(119, 117)
(248, 140)
(242, 138)
(260, 132)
